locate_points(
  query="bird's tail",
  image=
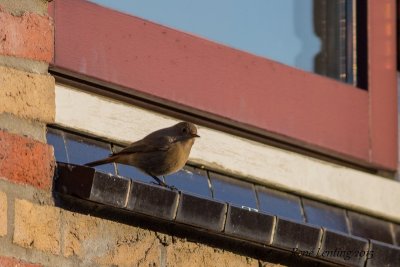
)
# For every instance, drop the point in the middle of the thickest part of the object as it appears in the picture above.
(101, 161)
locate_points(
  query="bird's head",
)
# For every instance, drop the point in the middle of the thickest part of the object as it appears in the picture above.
(185, 130)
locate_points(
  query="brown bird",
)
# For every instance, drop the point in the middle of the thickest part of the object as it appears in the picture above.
(162, 152)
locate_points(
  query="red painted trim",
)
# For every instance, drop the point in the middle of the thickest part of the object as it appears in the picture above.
(383, 82)
(124, 50)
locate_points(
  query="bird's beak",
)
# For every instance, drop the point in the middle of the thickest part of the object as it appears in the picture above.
(195, 135)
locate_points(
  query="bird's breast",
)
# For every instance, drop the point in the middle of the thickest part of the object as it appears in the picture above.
(178, 155)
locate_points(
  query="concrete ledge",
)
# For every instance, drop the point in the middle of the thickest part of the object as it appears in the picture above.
(264, 164)
(27, 95)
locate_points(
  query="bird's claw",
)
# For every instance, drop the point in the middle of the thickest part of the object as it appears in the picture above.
(171, 187)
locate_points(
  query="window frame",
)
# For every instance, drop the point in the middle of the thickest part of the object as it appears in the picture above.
(328, 116)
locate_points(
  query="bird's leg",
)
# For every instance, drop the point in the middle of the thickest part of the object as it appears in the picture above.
(160, 182)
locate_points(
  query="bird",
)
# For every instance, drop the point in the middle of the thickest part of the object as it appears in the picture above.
(161, 152)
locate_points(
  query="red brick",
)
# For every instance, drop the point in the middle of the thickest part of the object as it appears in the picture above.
(27, 36)
(12, 262)
(26, 161)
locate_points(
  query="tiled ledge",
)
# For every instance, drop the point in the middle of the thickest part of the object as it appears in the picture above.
(77, 149)
(221, 218)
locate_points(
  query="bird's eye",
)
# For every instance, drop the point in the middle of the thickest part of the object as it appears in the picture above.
(184, 130)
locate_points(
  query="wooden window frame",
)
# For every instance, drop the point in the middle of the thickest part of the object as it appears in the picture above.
(143, 59)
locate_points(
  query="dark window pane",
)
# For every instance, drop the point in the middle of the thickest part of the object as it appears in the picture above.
(325, 215)
(233, 191)
(190, 180)
(330, 27)
(83, 150)
(279, 203)
(56, 139)
(313, 35)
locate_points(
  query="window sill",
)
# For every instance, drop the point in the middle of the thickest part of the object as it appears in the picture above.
(218, 218)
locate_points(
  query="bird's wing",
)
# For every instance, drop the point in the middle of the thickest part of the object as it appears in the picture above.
(147, 145)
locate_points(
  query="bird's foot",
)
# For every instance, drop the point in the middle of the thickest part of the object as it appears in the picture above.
(162, 183)
(171, 187)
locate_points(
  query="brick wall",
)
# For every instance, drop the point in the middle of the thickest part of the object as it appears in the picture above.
(34, 231)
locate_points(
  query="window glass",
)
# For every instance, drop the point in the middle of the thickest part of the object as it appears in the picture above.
(83, 150)
(56, 139)
(190, 180)
(233, 191)
(279, 203)
(325, 215)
